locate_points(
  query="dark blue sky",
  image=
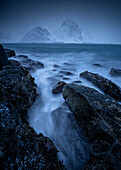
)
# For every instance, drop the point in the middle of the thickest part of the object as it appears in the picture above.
(96, 15)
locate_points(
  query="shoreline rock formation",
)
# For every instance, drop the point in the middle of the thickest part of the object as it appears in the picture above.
(107, 86)
(100, 118)
(20, 146)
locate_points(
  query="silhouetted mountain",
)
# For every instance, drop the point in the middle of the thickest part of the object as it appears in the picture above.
(69, 32)
(37, 34)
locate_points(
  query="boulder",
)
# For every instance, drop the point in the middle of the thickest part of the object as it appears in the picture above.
(20, 146)
(115, 72)
(9, 53)
(58, 87)
(100, 118)
(3, 58)
(107, 86)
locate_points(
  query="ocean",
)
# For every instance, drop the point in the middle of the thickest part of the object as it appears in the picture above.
(48, 115)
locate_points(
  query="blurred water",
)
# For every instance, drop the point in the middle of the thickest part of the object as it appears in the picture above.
(48, 115)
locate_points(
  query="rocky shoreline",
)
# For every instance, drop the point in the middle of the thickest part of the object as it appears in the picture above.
(99, 115)
(20, 146)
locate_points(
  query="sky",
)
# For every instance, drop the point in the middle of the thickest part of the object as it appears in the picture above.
(101, 18)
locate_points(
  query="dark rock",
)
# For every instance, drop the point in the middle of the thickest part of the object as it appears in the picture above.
(104, 84)
(66, 78)
(32, 65)
(67, 73)
(20, 146)
(56, 66)
(97, 65)
(24, 57)
(58, 87)
(115, 72)
(54, 70)
(67, 64)
(76, 82)
(3, 58)
(9, 53)
(100, 118)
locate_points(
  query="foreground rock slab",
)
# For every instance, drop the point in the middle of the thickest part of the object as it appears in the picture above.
(100, 118)
(107, 86)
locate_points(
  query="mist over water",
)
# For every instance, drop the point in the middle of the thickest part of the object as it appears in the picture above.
(49, 114)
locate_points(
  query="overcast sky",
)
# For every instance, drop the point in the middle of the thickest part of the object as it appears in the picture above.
(101, 18)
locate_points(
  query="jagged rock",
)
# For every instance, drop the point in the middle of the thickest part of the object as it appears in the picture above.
(3, 58)
(20, 146)
(9, 52)
(115, 72)
(107, 86)
(58, 87)
(100, 118)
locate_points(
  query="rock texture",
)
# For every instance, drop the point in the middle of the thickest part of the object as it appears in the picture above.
(58, 87)
(30, 64)
(107, 86)
(100, 118)
(9, 52)
(115, 72)
(3, 58)
(20, 146)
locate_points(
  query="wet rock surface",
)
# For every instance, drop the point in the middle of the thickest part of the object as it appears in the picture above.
(107, 86)
(115, 72)
(20, 146)
(3, 58)
(58, 87)
(100, 118)
(30, 64)
(10, 53)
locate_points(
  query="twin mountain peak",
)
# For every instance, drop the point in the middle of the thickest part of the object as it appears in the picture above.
(68, 32)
